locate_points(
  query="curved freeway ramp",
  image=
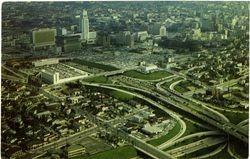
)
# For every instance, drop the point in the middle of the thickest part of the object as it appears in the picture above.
(243, 123)
(200, 134)
(216, 151)
(195, 146)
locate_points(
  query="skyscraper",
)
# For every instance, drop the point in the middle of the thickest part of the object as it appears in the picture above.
(84, 25)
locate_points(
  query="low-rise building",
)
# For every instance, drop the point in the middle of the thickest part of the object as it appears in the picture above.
(142, 35)
(149, 68)
(151, 130)
(50, 77)
(44, 62)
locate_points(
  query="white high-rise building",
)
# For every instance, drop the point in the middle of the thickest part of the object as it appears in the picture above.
(163, 31)
(84, 25)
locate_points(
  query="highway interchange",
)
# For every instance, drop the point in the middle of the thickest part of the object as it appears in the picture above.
(205, 113)
(177, 100)
(164, 99)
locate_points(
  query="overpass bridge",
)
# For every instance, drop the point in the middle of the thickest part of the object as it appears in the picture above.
(110, 73)
(13, 72)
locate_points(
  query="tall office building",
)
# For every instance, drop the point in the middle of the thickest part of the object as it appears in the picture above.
(103, 39)
(43, 38)
(69, 43)
(163, 31)
(84, 25)
(154, 28)
(129, 40)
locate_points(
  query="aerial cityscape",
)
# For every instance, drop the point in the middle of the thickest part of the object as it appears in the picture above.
(125, 80)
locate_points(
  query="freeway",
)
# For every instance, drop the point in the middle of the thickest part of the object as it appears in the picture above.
(231, 128)
(208, 127)
(231, 153)
(139, 144)
(114, 72)
(180, 133)
(245, 127)
(195, 146)
(172, 114)
(113, 87)
(171, 87)
(136, 142)
(231, 82)
(205, 86)
(177, 136)
(183, 75)
(13, 72)
(244, 122)
(13, 78)
(186, 101)
(174, 100)
(189, 96)
(10, 145)
(155, 80)
(219, 108)
(199, 134)
(210, 154)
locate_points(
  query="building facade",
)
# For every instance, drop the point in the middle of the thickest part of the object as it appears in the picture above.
(43, 38)
(163, 31)
(69, 43)
(50, 77)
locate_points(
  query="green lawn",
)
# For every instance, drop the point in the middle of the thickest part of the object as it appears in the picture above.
(95, 65)
(100, 79)
(181, 89)
(125, 152)
(164, 138)
(187, 83)
(167, 84)
(121, 95)
(192, 128)
(149, 76)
